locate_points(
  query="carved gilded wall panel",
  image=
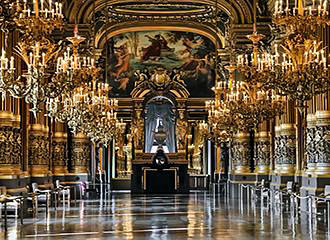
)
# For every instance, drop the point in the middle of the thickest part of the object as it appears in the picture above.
(59, 153)
(81, 155)
(322, 144)
(38, 150)
(240, 155)
(10, 146)
(263, 152)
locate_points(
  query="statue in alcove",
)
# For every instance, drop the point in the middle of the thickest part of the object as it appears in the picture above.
(137, 130)
(182, 129)
(159, 114)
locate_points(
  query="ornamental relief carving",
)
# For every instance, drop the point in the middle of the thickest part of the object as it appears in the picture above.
(277, 150)
(322, 144)
(240, 153)
(10, 145)
(38, 150)
(81, 154)
(262, 153)
(311, 142)
(59, 153)
(288, 149)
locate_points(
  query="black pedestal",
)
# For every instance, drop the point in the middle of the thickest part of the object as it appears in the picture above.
(160, 181)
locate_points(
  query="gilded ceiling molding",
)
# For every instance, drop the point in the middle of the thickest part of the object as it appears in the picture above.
(109, 31)
(239, 11)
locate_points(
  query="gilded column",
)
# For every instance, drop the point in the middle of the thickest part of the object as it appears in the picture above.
(120, 154)
(322, 142)
(262, 147)
(287, 141)
(39, 158)
(322, 115)
(80, 155)
(10, 134)
(240, 153)
(317, 149)
(284, 147)
(59, 150)
(197, 151)
(137, 131)
(311, 141)
(277, 150)
(128, 153)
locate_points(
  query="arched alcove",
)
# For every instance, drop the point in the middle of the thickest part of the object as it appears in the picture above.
(160, 116)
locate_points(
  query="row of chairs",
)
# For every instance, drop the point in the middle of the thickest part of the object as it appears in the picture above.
(290, 196)
(32, 201)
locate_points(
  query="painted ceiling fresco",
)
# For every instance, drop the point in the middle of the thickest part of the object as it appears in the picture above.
(190, 53)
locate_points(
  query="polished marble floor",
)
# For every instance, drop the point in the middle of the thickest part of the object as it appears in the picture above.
(199, 215)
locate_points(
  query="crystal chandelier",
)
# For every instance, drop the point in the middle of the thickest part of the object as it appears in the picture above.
(300, 69)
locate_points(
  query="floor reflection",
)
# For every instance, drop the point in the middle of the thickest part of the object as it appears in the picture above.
(200, 215)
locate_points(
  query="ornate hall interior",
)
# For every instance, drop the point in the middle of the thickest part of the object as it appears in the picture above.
(164, 119)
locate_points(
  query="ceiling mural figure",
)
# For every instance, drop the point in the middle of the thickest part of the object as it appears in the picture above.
(190, 54)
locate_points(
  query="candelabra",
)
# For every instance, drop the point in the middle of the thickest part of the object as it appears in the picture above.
(300, 70)
(239, 106)
(89, 110)
(300, 18)
(36, 83)
(221, 122)
(39, 18)
(252, 105)
(73, 68)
